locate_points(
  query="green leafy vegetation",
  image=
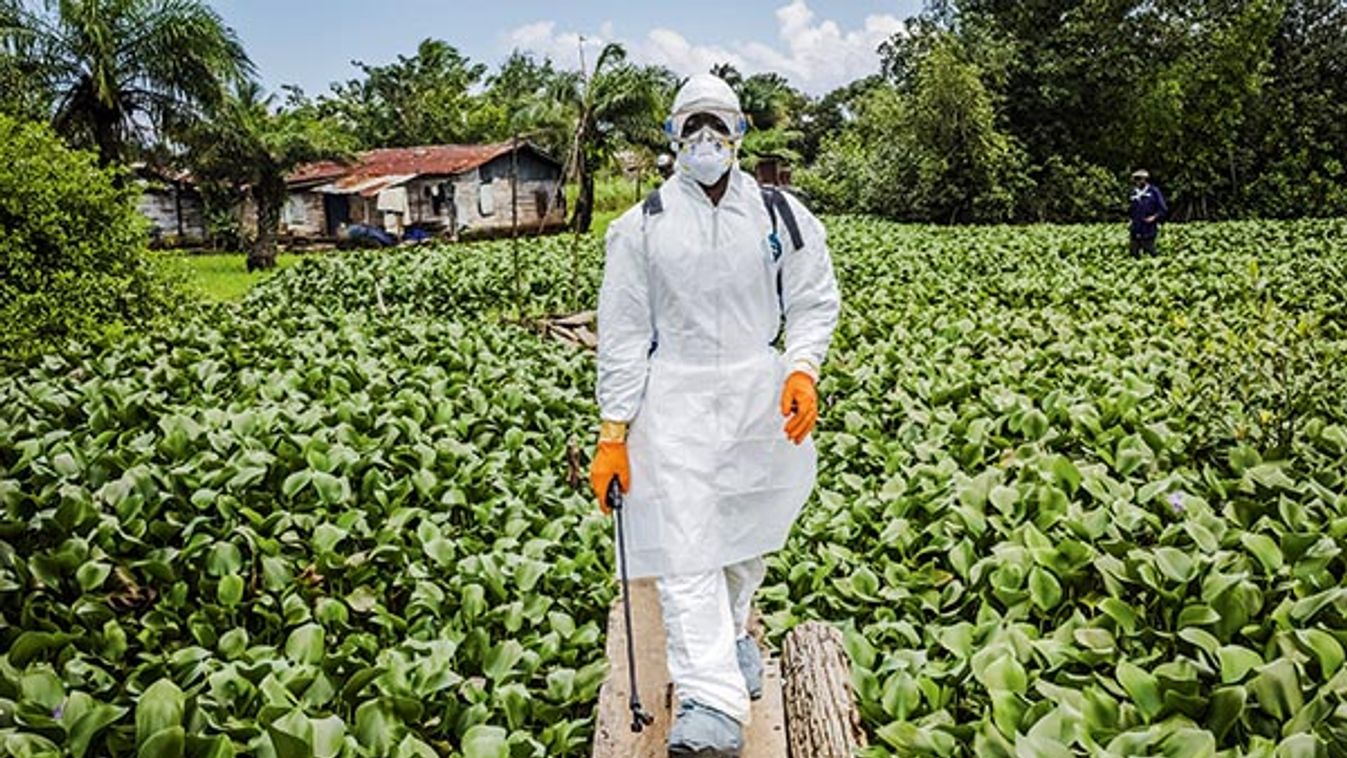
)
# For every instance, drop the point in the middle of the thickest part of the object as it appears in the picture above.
(73, 261)
(300, 534)
(102, 71)
(977, 111)
(1070, 503)
(1075, 503)
(247, 146)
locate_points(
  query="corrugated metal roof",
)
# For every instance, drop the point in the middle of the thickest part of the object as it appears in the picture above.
(358, 184)
(434, 160)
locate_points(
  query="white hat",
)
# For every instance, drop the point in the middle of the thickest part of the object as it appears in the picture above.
(706, 93)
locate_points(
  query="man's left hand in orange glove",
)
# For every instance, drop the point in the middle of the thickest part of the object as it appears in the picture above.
(799, 404)
(610, 460)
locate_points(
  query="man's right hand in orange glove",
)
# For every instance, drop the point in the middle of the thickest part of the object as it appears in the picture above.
(610, 460)
(799, 404)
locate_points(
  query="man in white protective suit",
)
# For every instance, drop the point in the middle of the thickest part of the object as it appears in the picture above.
(705, 423)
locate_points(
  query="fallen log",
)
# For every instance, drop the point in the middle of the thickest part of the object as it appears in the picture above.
(822, 719)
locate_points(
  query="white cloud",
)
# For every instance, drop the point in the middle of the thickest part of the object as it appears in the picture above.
(667, 47)
(542, 38)
(817, 55)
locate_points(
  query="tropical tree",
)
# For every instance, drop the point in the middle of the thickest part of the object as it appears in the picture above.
(932, 153)
(1193, 124)
(515, 103)
(423, 99)
(1301, 121)
(17, 98)
(770, 102)
(73, 262)
(249, 145)
(619, 104)
(778, 142)
(118, 71)
(1237, 107)
(21, 92)
(828, 116)
(966, 168)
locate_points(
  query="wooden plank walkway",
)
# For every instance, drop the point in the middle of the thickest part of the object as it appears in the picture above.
(765, 736)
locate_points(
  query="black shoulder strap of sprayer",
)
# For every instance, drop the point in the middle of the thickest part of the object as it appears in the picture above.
(778, 208)
(653, 205)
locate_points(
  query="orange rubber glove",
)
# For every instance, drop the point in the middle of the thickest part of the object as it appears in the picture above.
(610, 460)
(799, 404)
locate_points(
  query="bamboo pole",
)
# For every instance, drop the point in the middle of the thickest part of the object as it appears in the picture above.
(514, 227)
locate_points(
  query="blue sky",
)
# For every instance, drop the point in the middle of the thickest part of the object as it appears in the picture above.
(818, 45)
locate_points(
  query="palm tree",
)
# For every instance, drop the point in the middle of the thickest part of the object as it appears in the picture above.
(247, 145)
(769, 101)
(777, 142)
(518, 102)
(729, 73)
(118, 69)
(619, 104)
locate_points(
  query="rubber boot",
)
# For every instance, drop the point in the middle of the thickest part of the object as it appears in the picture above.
(750, 663)
(700, 731)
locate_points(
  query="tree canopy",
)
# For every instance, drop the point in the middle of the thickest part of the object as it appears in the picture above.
(250, 145)
(72, 256)
(1239, 109)
(112, 70)
(422, 99)
(980, 110)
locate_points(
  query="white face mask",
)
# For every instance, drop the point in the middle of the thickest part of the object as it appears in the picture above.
(706, 156)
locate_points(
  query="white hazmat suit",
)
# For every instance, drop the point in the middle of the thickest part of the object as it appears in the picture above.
(692, 301)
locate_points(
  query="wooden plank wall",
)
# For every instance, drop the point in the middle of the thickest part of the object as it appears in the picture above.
(161, 208)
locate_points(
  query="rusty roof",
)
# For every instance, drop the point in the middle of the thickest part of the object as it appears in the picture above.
(362, 184)
(432, 160)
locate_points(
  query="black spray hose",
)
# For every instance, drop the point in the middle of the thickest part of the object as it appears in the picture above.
(639, 718)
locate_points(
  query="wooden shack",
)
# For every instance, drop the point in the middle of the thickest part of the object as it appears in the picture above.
(441, 190)
(170, 200)
(772, 169)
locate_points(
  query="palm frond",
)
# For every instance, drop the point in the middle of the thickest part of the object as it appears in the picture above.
(122, 70)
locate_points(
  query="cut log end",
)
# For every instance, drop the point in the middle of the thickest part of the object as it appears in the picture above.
(822, 719)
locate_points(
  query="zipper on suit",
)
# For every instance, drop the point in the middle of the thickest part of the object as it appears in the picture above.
(720, 312)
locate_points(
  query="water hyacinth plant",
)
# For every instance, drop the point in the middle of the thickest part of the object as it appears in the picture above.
(340, 518)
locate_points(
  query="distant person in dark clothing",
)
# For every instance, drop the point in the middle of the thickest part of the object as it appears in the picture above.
(1148, 210)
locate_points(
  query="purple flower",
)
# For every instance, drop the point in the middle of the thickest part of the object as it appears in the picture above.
(1176, 502)
(58, 711)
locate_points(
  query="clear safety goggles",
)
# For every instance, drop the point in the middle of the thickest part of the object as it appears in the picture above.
(725, 124)
(708, 135)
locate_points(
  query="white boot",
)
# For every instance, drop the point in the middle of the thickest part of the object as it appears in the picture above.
(700, 731)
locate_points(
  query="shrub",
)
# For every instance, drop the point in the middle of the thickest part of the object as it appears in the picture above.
(1074, 190)
(72, 253)
(934, 153)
